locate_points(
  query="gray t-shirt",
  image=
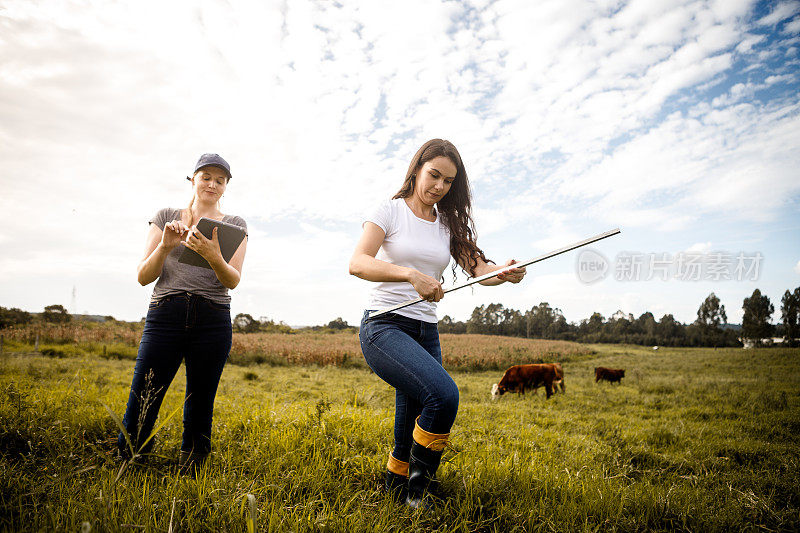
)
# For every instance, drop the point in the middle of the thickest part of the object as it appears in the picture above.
(179, 277)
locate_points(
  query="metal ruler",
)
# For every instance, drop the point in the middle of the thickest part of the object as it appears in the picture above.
(500, 271)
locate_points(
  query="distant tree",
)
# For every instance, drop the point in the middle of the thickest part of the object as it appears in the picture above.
(486, 320)
(13, 317)
(539, 320)
(244, 323)
(707, 329)
(337, 323)
(592, 325)
(56, 313)
(475, 323)
(267, 325)
(711, 313)
(494, 315)
(757, 314)
(512, 324)
(448, 325)
(619, 325)
(668, 328)
(620, 314)
(445, 324)
(559, 326)
(646, 324)
(790, 315)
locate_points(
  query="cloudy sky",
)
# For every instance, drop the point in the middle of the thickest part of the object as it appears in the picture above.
(677, 121)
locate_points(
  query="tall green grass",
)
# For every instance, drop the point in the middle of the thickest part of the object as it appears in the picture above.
(693, 439)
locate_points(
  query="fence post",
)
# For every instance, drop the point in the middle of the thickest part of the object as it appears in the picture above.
(36, 346)
(104, 350)
(1, 344)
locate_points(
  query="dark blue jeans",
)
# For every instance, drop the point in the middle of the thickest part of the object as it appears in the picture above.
(182, 327)
(405, 353)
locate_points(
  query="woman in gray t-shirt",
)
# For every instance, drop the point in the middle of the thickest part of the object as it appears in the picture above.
(188, 318)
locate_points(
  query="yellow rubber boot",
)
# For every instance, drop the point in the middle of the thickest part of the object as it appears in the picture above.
(426, 454)
(396, 478)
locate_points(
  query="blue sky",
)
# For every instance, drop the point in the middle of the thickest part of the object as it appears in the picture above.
(677, 121)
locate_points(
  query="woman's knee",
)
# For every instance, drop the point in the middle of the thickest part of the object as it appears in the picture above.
(452, 398)
(446, 398)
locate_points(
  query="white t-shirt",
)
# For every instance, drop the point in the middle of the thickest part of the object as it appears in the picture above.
(410, 242)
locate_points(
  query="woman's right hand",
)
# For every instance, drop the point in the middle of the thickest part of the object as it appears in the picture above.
(427, 287)
(173, 234)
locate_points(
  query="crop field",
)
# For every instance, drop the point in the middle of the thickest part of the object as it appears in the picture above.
(692, 439)
(120, 340)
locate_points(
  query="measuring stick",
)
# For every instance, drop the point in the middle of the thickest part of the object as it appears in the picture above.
(504, 269)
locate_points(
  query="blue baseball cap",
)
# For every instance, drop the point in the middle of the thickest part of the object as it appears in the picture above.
(213, 160)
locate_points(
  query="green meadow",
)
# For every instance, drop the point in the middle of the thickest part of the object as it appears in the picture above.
(692, 439)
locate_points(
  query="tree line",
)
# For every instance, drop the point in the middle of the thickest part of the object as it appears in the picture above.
(709, 329)
(54, 314)
(245, 323)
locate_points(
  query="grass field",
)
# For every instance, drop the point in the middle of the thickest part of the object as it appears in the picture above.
(693, 439)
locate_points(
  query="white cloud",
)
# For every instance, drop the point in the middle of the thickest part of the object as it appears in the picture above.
(700, 247)
(797, 268)
(781, 12)
(731, 9)
(792, 27)
(570, 116)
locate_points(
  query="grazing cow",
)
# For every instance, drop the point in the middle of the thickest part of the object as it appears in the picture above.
(518, 378)
(559, 379)
(609, 374)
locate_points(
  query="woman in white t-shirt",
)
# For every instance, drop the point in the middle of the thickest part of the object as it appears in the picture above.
(406, 244)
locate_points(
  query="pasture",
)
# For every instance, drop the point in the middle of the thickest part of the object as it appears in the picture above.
(692, 439)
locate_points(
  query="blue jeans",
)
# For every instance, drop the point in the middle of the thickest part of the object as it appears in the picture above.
(181, 327)
(405, 353)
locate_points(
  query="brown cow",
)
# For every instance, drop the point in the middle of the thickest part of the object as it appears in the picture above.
(609, 374)
(557, 381)
(518, 378)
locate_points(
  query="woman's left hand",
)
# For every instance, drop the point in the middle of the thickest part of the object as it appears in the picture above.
(514, 275)
(208, 248)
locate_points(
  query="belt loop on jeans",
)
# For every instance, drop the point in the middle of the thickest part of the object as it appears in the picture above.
(188, 309)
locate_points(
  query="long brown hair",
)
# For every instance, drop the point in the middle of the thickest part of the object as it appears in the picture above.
(455, 207)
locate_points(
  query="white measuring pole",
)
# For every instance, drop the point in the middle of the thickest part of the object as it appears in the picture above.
(505, 269)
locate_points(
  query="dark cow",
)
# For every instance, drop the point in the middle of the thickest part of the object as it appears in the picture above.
(609, 374)
(518, 378)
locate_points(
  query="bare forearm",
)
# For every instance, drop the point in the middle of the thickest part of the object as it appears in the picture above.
(150, 269)
(508, 272)
(372, 269)
(486, 269)
(226, 274)
(491, 282)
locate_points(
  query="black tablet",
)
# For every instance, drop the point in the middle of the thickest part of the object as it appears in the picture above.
(229, 235)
